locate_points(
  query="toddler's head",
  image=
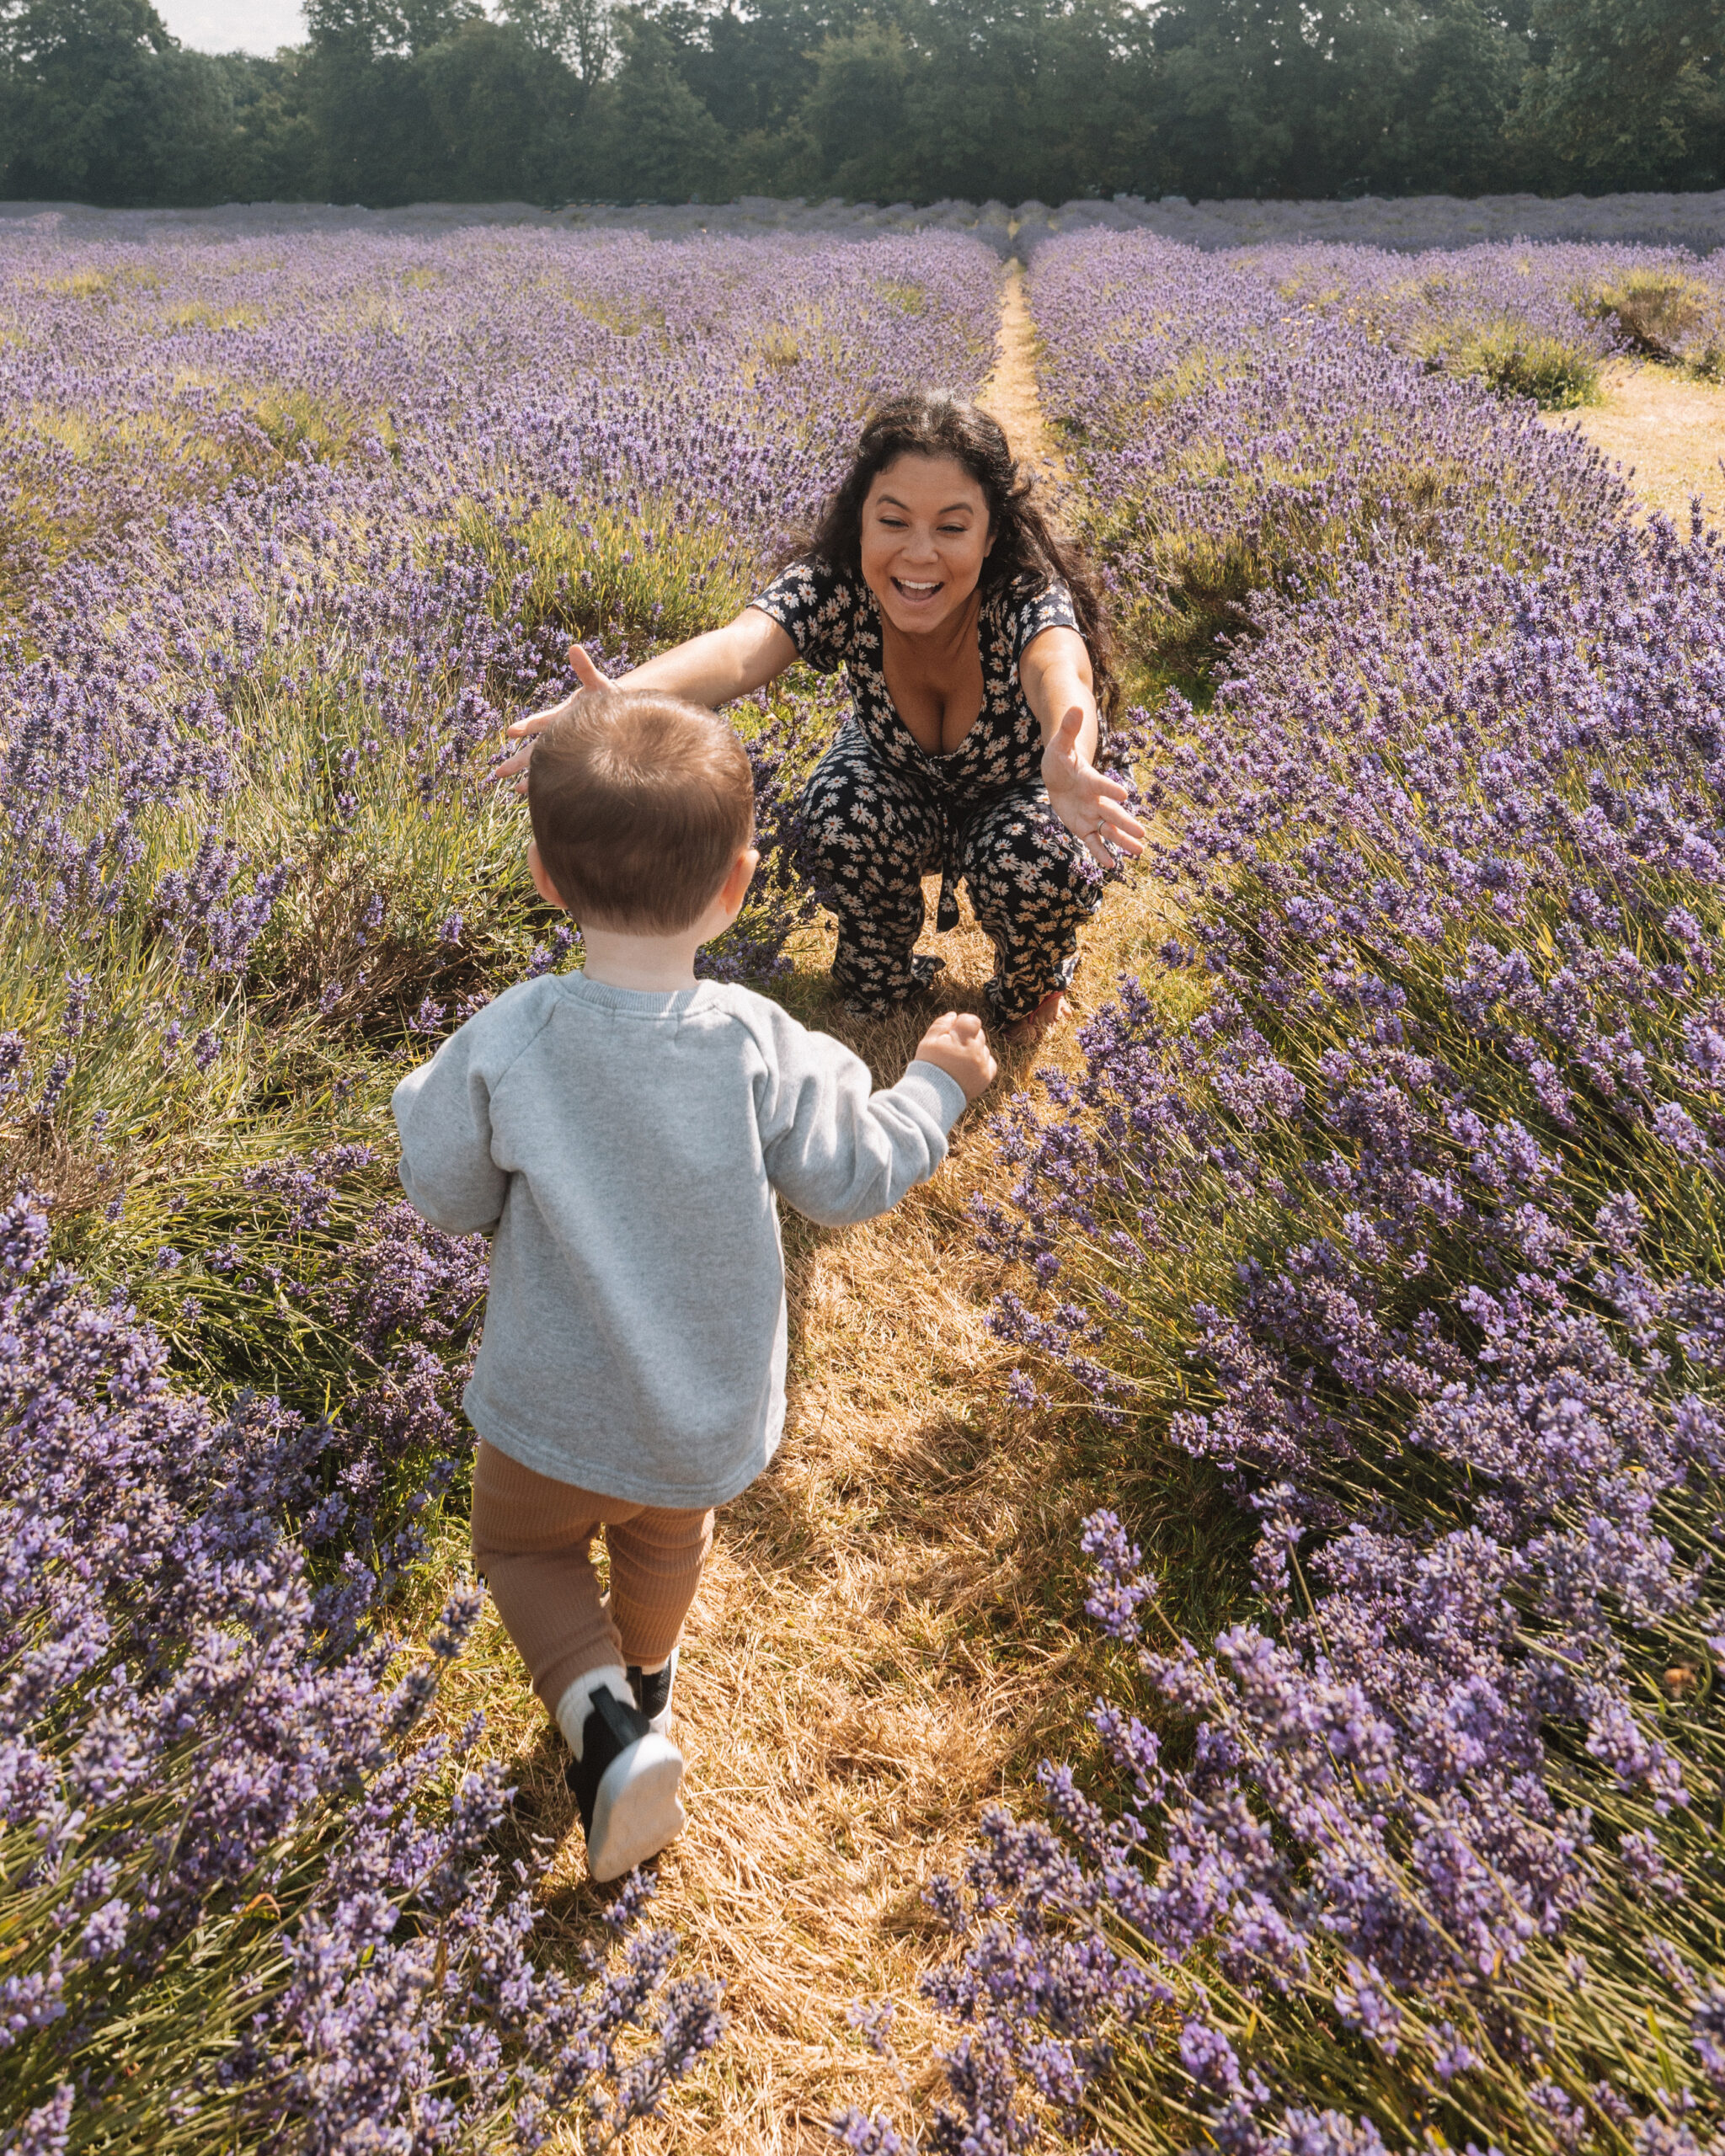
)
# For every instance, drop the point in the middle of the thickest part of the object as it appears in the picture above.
(641, 804)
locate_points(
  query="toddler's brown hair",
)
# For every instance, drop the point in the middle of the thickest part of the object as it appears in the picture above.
(640, 803)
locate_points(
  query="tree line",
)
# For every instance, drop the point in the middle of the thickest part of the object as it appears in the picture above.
(395, 101)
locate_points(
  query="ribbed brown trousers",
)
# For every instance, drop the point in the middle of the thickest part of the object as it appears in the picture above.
(533, 1547)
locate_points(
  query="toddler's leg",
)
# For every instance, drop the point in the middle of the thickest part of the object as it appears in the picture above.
(533, 1542)
(533, 1547)
(656, 1558)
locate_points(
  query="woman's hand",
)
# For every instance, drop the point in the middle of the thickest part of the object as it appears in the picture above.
(1087, 803)
(515, 767)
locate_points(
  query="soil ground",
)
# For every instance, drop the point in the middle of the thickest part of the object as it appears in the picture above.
(1665, 430)
(883, 1644)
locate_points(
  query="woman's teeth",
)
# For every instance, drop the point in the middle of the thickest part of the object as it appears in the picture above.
(915, 590)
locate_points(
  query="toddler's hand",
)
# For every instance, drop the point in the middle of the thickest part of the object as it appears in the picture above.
(957, 1044)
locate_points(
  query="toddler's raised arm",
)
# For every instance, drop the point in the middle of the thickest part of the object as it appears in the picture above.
(836, 1148)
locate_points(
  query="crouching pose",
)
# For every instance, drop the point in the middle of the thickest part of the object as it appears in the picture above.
(621, 1132)
(975, 643)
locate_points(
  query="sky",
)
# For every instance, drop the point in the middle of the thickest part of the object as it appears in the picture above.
(234, 26)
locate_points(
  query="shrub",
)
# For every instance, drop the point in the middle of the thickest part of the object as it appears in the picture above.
(1657, 309)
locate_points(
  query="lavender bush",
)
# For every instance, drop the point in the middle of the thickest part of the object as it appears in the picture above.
(244, 1898)
(1228, 440)
(1392, 1200)
(1531, 321)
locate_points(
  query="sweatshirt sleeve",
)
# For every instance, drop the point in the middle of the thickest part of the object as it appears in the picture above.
(443, 1112)
(835, 1149)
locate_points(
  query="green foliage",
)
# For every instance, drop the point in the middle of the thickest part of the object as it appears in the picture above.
(657, 142)
(1270, 97)
(1515, 361)
(99, 103)
(393, 101)
(1628, 94)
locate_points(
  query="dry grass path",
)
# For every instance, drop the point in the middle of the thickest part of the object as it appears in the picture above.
(1666, 429)
(882, 1642)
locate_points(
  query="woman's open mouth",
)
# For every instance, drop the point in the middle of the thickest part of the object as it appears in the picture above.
(914, 592)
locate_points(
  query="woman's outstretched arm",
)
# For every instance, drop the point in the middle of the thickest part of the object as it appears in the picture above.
(1058, 687)
(710, 668)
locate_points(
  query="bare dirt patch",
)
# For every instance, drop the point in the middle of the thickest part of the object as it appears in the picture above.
(1667, 432)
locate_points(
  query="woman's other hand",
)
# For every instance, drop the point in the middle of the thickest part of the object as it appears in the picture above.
(1089, 805)
(711, 668)
(588, 676)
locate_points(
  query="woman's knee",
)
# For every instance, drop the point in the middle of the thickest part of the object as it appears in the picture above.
(1019, 872)
(857, 818)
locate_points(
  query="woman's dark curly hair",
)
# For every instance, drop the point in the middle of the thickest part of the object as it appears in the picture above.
(1027, 554)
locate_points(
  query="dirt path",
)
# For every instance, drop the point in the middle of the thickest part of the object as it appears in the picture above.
(882, 1645)
(1668, 430)
(1010, 391)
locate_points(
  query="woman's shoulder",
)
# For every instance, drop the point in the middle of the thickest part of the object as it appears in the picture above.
(820, 606)
(1031, 604)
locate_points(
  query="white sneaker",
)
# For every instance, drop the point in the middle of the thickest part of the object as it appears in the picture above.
(627, 1784)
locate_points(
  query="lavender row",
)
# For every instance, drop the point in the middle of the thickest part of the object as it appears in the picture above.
(1407, 224)
(1535, 321)
(249, 1895)
(295, 530)
(1229, 440)
(307, 523)
(1387, 1199)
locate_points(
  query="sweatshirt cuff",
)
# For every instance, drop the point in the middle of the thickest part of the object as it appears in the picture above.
(937, 1090)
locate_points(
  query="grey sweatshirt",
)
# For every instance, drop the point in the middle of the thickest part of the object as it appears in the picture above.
(626, 1147)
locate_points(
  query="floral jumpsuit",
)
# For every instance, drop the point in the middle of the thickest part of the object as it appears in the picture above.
(881, 811)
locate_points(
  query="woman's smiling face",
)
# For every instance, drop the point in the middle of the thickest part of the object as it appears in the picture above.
(925, 537)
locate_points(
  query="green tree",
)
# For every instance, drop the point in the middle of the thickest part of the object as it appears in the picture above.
(855, 112)
(102, 106)
(276, 153)
(394, 27)
(506, 117)
(653, 140)
(1281, 97)
(1630, 95)
(1018, 97)
(576, 32)
(1458, 101)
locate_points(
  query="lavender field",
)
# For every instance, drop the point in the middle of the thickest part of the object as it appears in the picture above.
(1354, 1274)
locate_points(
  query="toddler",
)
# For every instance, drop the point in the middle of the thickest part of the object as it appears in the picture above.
(620, 1133)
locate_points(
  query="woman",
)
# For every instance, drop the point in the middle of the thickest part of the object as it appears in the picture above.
(975, 646)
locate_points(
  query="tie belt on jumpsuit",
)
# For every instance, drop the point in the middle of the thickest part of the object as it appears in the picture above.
(946, 914)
